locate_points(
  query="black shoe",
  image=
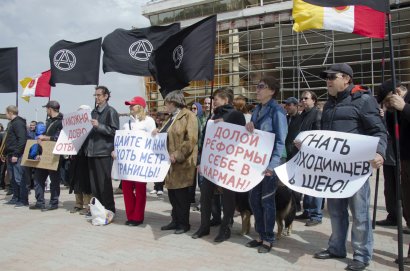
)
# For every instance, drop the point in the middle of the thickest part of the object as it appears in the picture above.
(36, 207)
(406, 230)
(356, 265)
(170, 226)
(9, 192)
(182, 230)
(50, 208)
(312, 222)
(200, 233)
(386, 222)
(406, 260)
(264, 248)
(302, 216)
(12, 202)
(224, 234)
(326, 254)
(75, 210)
(21, 205)
(133, 223)
(254, 243)
(215, 223)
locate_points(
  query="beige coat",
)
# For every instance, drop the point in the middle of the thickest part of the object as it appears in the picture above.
(182, 143)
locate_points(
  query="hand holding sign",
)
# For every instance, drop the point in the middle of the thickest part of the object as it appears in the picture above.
(377, 161)
(330, 164)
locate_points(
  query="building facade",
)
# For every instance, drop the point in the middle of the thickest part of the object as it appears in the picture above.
(255, 38)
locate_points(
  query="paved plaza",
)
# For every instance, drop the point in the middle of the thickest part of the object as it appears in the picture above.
(59, 240)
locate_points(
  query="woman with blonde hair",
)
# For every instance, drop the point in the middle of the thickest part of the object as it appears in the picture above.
(135, 196)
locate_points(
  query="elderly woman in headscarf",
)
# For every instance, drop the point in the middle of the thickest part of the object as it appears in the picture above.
(182, 129)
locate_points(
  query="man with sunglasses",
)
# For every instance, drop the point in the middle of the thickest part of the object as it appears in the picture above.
(310, 120)
(356, 113)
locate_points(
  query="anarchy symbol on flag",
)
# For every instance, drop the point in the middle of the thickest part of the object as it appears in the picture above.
(178, 55)
(141, 50)
(64, 60)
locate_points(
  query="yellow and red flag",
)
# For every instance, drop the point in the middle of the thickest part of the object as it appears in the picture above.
(365, 17)
(38, 86)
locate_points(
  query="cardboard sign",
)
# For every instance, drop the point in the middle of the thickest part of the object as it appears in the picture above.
(48, 160)
(76, 127)
(329, 164)
(140, 156)
(233, 158)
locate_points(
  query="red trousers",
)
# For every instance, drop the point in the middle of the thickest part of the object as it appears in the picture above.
(135, 197)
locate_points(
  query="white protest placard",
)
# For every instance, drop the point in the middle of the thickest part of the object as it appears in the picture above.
(233, 158)
(76, 127)
(329, 164)
(140, 156)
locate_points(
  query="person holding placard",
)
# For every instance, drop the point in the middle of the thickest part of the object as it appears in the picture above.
(105, 121)
(356, 113)
(135, 193)
(54, 125)
(268, 116)
(224, 111)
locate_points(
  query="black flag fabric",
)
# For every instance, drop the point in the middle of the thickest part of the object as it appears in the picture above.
(8, 70)
(185, 56)
(75, 63)
(128, 51)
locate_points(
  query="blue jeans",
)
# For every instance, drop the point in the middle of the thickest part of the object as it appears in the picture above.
(362, 235)
(262, 202)
(312, 206)
(18, 180)
(40, 183)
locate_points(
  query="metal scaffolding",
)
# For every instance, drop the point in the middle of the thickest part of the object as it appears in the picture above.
(249, 49)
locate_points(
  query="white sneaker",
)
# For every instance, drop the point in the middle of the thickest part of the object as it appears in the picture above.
(153, 191)
(159, 193)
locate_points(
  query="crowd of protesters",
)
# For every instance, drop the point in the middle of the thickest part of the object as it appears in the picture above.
(89, 172)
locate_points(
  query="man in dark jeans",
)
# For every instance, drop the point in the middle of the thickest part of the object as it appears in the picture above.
(15, 141)
(400, 102)
(310, 120)
(105, 121)
(356, 113)
(54, 126)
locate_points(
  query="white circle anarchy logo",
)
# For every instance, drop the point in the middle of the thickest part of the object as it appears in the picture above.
(141, 50)
(64, 60)
(178, 55)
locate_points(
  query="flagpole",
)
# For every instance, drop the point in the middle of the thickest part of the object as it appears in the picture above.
(397, 168)
(212, 98)
(17, 90)
(376, 190)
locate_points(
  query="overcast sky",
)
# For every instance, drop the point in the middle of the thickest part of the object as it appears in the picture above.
(34, 25)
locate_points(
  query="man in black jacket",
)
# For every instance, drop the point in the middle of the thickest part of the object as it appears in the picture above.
(356, 113)
(310, 120)
(400, 102)
(16, 139)
(105, 121)
(54, 126)
(293, 119)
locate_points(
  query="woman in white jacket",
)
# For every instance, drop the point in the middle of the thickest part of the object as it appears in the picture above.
(135, 196)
